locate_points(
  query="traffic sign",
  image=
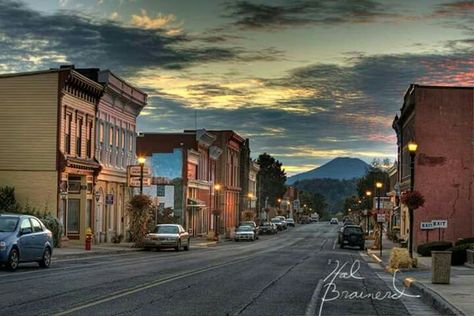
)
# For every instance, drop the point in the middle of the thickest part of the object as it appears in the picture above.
(135, 171)
(440, 223)
(135, 182)
(380, 218)
(426, 225)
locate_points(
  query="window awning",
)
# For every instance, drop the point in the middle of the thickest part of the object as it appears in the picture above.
(195, 203)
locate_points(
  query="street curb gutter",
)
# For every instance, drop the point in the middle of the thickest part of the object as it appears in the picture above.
(92, 254)
(428, 296)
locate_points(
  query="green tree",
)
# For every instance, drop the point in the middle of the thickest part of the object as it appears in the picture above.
(271, 179)
(8, 201)
(376, 173)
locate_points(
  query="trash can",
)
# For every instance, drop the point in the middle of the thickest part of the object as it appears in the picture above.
(440, 267)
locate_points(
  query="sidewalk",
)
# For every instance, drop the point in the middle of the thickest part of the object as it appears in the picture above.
(75, 249)
(455, 298)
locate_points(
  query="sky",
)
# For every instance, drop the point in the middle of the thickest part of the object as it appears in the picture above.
(306, 81)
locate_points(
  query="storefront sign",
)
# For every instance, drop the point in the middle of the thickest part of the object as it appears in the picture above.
(135, 182)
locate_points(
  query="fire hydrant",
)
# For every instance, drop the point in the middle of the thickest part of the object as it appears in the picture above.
(88, 238)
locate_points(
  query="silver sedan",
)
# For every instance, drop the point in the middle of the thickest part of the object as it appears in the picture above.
(168, 236)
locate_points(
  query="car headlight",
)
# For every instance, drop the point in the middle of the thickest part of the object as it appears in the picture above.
(3, 245)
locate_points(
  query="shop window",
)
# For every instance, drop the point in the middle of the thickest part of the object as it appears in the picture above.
(74, 184)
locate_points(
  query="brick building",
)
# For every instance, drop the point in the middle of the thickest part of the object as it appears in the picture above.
(440, 120)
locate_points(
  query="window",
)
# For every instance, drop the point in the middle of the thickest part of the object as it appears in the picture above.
(123, 139)
(130, 142)
(111, 136)
(117, 134)
(160, 190)
(101, 133)
(89, 139)
(79, 138)
(25, 224)
(36, 225)
(67, 134)
(74, 184)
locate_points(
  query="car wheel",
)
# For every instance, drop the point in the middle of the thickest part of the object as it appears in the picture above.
(13, 260)
(46, 261)
(178, 247)
(188, 245)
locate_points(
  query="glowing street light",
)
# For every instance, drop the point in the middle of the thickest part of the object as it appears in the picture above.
(141, 161)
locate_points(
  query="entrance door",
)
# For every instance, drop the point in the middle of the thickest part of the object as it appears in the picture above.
(73, 216)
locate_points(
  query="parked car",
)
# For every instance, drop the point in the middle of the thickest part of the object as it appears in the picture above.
(252, 224)
(268, 228)
(278, 223)
(353, 235)
(283, 220)
(290, 222)
(334, 221)
(339, 234)
(168, 236)
(305, 219)
(244, 233)
(24, 238)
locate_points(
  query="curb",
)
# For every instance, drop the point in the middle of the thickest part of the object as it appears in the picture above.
(93, 254)
(429, 296)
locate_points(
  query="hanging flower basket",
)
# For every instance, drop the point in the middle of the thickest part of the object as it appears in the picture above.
(267, 210)
(413, 199)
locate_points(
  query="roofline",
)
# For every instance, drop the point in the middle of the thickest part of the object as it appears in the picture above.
(441, 87)
(126, 81)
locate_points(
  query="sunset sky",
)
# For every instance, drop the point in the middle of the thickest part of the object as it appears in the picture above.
(306, 81)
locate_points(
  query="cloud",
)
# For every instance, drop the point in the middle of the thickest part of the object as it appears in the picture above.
(89, 42)
(149, 23)
(458, 14)
(261, 16)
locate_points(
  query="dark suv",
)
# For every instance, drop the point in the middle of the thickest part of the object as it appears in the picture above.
(353, 235)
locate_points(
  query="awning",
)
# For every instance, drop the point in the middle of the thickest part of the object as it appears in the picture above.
(195, 203)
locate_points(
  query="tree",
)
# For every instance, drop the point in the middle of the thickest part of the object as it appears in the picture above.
(7, 200)
(166, 216)
(271, 179)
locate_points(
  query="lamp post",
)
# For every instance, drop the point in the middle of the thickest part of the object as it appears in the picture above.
(217, 188)
(412, 146)
(141, 161)
(379, 185)
(368, 194)
(250, 196)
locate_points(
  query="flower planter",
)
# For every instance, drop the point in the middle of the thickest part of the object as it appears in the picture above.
(470, 258)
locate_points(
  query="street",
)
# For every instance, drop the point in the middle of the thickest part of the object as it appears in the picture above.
(281, 274)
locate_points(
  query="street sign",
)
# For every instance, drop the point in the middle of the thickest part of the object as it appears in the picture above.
(296, 204)
(440, 223)
(380, 218)
(135, 170)
(426, 225)
(135, 182)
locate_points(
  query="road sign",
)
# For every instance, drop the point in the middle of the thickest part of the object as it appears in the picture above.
(135, 182)
(135, 171)
(426, 225)
(440, 223)
(296, 205)
(380, 218)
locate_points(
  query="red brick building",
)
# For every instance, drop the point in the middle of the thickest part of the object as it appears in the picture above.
(440, 120)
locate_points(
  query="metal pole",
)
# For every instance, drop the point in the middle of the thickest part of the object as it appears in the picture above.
(410, 211)
(141, 179)
(381, 224)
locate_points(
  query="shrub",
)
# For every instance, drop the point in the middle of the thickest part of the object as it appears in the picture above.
(53, 224)
(140, 212)
(459, 254)
(8, 201)
(425, 249)
(463, 241)
(399, 258)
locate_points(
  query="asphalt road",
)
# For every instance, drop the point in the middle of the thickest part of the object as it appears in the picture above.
(292, 273)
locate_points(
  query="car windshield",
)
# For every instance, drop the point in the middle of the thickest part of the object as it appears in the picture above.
(289, 220)
(8, 224)
(166, 230)
(245, 229)
(248, 224)
(265, 224)
(352, 230)
(275, 220)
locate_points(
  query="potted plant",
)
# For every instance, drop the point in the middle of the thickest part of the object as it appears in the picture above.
(413, 199)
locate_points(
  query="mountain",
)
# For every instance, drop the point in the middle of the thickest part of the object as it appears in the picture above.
(341, 168)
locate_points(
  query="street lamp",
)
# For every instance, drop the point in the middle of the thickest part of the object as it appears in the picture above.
(379, 185)
(217, 188)
(250, 196)
(141, 161)
(368, 194)
(412, 147)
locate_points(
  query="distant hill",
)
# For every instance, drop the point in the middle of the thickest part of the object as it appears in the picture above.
(341, 168)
